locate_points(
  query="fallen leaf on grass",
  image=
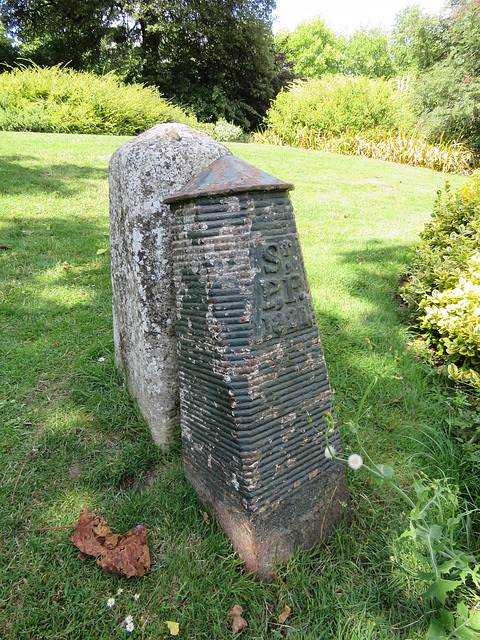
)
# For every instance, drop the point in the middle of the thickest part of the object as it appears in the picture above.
(174, 627)
(127, 554)
(284, 615)
(5, 247)
(205, 517)
(238, 623)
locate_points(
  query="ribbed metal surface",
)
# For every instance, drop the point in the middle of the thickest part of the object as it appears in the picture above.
(252, 370)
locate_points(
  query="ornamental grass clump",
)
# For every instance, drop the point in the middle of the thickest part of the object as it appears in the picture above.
(443, 290)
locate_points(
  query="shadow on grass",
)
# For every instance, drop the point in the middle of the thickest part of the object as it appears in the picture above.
(91, 445)
(22, 175)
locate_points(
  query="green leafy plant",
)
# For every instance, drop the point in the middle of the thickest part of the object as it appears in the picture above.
(443, 292)
(439, 529)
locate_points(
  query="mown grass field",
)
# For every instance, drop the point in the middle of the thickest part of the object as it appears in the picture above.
(72, 438)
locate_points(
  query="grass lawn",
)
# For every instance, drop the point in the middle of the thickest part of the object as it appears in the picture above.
(72, 438)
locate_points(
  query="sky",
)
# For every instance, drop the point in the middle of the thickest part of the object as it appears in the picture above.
(346, 16)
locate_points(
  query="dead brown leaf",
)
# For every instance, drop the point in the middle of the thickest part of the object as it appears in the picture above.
(127, 554)
(238, 623)
(205, 517)
(284, 615)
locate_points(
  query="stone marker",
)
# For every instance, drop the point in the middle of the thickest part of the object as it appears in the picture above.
(252, 371)
(142, 173)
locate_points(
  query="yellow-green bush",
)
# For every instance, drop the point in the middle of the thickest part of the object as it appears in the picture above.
(454, 314)
(334, 104)
(444, 289)
(58, 99)
(356, 116)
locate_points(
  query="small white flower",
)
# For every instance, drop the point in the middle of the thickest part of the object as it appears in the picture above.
(129, 620)
(129, 628)
(136, 596)
(329, 452)
(110, 602)
(355, 461)
(119, 592)
(102, 359)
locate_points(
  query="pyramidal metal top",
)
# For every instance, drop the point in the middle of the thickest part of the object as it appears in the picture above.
(226, 176)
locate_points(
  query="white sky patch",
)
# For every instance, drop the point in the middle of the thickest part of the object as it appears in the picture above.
(346, 16)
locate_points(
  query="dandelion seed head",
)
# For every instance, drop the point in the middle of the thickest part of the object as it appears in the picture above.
(355, 461)
(329, 452)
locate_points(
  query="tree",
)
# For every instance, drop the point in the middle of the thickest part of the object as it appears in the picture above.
(447, 95)
(8, 51)
(418, 40)
(54, 31)
(367, 53)
(314, 49)
(216, 56)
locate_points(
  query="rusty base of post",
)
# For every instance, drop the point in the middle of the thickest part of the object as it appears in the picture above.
(262, 547)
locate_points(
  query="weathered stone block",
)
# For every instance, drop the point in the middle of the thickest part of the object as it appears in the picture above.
(252, 371)
(142, 173)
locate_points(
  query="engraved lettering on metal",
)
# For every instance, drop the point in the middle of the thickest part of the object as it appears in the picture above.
(252, 371)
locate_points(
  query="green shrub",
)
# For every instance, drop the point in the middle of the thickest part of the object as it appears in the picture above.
(335, 104)
(224, 131)
(357, 116)
(444, 289)
(61, 100)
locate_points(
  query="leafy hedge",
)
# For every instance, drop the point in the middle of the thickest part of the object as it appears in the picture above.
(57, 99)
(444, 289)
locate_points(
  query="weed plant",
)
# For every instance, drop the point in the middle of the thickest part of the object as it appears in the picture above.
(73, 438)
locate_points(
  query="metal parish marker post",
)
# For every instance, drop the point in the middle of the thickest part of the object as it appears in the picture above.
(253, 378)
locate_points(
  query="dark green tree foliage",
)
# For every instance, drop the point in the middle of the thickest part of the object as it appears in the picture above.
(51, 32)
(215, 56)
(284, 63)
(8, 51)
(448, 91)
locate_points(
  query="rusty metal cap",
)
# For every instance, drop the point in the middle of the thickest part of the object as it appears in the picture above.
(226, 176)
